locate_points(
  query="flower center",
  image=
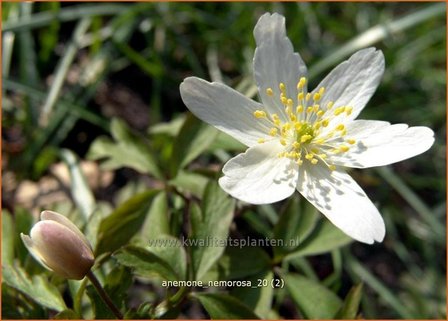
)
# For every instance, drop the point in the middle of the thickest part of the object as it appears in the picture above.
(307, 130)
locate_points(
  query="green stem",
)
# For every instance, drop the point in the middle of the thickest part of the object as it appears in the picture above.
(104, 295)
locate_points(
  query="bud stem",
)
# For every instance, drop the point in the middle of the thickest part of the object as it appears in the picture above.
(104, 295)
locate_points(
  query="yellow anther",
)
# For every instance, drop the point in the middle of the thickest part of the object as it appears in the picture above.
(332, 167)
(330, 105)
(309, 109)
(290, 102)
(305, 138)
(320, 113)
(344, 132)
(308, 96)
(321, 91)
(340, 127)
(300, 97)
(275, 119)
(344, 148)
(292, 117)
(309, 156)
(299, 162)
(283, 142)
(286, 127)
(259, 114)
(325, 122)
(296, 145)
(314, 161)
(299, 109)
(316, 97)
(269, 92)
(339, 111)
(348, 110)
(282, 87)
(261, 140)
(323, 156)
(317, 125)
(284, 100)
(297, 126)
(273, 131)
(316, 108)
(319, 141)
(314, 150)
(351, 141)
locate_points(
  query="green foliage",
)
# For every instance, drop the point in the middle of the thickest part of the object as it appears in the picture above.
(128, 150)
(313, 299)
(35, 287)
(224, 306)
(120, 226)
(216, 217)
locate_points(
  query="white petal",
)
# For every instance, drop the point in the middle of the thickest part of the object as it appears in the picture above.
(354, 81)
(342, 201)
(224, 108)
(258, 176)
(275, 61)
(379, 143)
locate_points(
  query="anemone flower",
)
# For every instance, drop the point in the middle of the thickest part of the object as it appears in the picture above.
(304, 140)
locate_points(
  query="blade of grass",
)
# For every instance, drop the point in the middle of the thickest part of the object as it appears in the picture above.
(62, 70)
(27, 64)
(72, 108)
(377, 33)
(414, 200)
(8, 40)
(387, 296)
(66, 14)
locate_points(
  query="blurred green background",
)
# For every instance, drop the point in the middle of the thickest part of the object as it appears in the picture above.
(68, 69)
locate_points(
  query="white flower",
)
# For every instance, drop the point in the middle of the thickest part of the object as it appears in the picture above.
(303, 140)
(57, 244)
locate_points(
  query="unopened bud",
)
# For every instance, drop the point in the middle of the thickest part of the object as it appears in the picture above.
(60, 246)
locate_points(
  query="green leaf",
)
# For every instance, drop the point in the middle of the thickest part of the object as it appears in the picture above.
(66, 315)
(194, 137)
(81, 193)
(24, 221)
(224, 306)
(171, 128)
(128, 150)
(123, 223)
(157, 221)
(325, 238)
(238, 263)
(170, 250)
(258, 297)
(212, 227)
(36, 288)
(294, 226)
(226, 142)
(8, 234)
(313, 299)
(188, 182)
(146, 263)
(100, 310)
(349, 309)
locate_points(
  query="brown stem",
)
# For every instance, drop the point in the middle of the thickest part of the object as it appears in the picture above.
(104, 295)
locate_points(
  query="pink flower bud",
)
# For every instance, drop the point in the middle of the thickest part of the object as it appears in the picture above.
(60, 246)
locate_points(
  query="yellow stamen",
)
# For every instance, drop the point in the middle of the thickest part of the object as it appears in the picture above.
(259, 114)
(273, 131)
(269, 92)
